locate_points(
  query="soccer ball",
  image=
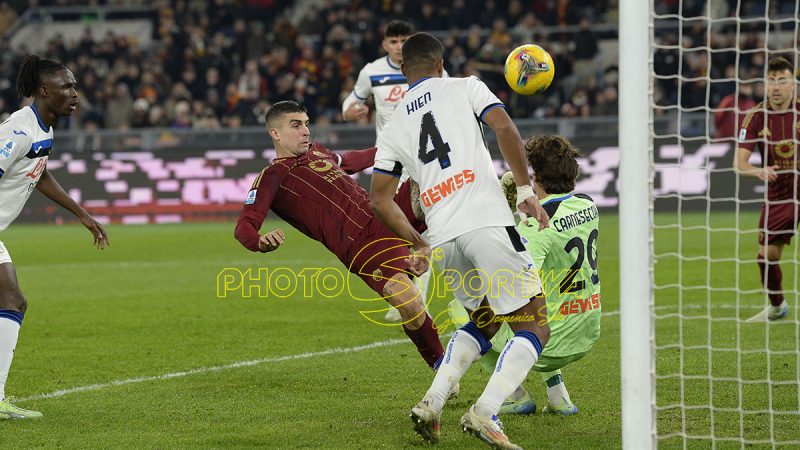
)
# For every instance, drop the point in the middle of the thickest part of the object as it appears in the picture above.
(529, 69)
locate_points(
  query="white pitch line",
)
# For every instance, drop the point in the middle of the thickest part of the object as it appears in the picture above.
(202, 370)
(256, 362)
(162, 264)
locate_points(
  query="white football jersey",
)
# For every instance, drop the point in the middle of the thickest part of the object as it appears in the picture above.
(436, 135)
(383, 80)
(25, 145)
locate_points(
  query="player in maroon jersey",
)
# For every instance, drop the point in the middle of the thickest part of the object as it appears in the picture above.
(308, 187)
(773, 128)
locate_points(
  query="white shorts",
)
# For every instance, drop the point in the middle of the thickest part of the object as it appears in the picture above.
(489, 262)
(4, 256)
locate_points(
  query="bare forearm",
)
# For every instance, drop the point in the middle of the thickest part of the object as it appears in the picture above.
(48, 186)
(510, 143)
(747, 169)
(392, 216)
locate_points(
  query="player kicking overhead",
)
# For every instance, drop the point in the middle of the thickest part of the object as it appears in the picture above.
(436, 135)
(308, 187)
(566, 254)
(773, 127)
(26, 140)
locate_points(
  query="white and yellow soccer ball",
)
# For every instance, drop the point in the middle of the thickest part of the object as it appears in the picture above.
(529, 69)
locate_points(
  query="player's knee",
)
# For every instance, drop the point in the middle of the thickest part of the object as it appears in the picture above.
(773, 255)
(401, 293)
(13, 300)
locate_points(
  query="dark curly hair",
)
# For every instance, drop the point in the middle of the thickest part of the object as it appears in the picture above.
(553, 161)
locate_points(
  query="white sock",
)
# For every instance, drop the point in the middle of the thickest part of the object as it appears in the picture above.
(9, 331)
(462, 350)
(519, 355)
(556, 389)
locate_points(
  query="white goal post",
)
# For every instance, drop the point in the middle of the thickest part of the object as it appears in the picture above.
(636, 293)
(709, 315)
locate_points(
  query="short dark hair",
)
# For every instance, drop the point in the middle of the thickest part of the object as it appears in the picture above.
(779, 64)
(422, 51)
(280, 109)
(398, 28)
(32, 71)
(553, 161)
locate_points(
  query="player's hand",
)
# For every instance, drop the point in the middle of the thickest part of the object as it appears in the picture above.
(419, 259)
(356, 111)
(271, 240)
(532, 208)
(100, 236)
(768, 173)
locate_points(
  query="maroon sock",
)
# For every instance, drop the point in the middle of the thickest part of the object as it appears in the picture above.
(426, 338)
(774, 280)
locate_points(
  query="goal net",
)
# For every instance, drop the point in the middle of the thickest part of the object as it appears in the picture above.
(723, 375)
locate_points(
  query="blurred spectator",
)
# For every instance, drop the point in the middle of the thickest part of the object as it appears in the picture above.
(119, 108)
(730, 112)
(7, 17)
(224, 57)
(586, 49)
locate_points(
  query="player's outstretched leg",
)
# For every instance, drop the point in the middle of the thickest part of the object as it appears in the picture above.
(12, 306)
(557, 395)
(393, 314)
(417, 324)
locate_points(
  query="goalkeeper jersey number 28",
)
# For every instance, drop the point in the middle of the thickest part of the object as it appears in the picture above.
(566, 255)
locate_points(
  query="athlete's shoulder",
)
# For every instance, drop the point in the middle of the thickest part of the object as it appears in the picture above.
(755, 115)
(21, 122)
(586, 197)
(573, 200)
(381, 65)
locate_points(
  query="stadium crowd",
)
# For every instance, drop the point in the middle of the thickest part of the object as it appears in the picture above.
(222, 63)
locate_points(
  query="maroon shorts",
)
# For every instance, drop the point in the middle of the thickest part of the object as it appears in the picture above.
(404, 200)
(779, 224)
(378, 256)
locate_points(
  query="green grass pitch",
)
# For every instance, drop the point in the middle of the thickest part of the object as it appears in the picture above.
(132, 348)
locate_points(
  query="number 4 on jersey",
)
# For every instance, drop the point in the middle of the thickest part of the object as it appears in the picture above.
(440, 151)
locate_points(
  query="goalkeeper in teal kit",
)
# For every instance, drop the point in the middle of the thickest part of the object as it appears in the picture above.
(565, 253)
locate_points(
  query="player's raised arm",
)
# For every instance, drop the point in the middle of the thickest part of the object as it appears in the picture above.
(51, 189)
(510, 143)
(355, 161)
